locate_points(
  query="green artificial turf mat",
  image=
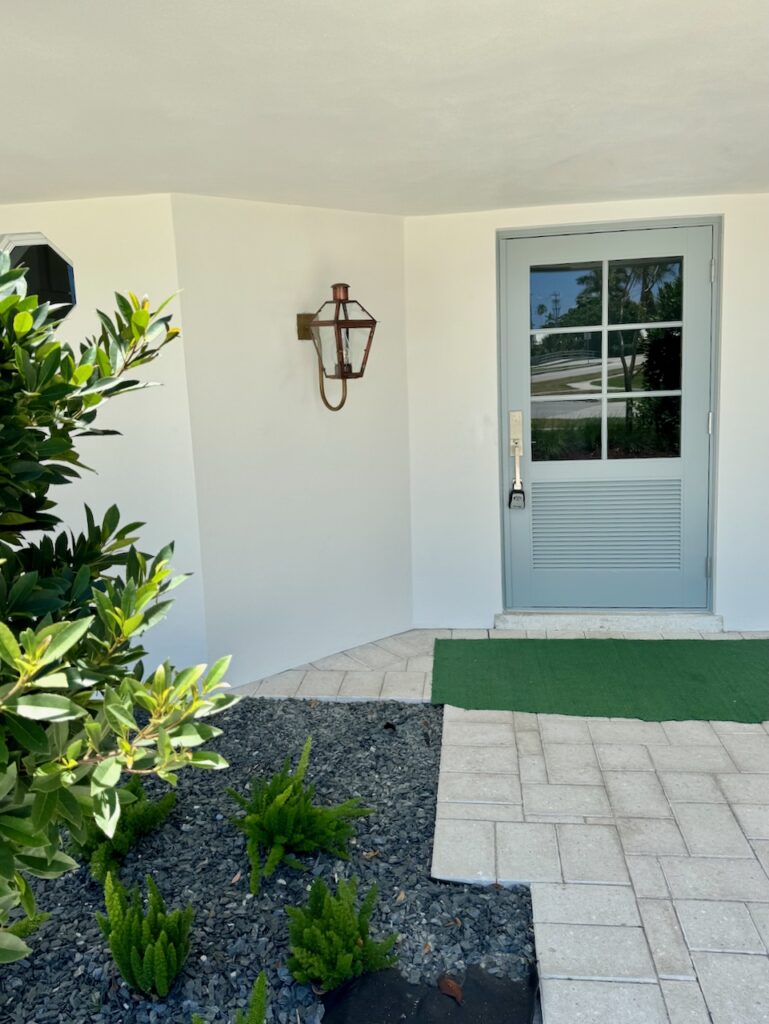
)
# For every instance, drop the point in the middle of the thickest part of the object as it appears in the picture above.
(655, 680)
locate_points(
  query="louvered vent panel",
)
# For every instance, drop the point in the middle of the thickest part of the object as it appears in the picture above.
(607, 524)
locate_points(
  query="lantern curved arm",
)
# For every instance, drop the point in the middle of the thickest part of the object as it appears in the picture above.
(321, 384)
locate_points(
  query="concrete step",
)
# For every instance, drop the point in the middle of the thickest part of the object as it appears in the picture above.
(612, 621)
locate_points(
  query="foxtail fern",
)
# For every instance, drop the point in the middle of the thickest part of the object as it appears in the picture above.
(257, 1007)
(149, 949)
(282, 820)
(329, 938)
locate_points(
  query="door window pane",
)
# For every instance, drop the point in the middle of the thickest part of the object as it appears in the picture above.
(644, 428)
(565, 360)
(562, 364)
(565, 430)
(645, 290)
(566, 295)
(645, 360)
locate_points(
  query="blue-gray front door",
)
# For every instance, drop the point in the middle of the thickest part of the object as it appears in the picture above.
(606, 353)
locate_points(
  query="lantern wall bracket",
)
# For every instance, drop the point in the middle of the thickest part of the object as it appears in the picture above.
(303, 321)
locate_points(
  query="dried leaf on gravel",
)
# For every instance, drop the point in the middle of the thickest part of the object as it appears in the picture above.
(451, 988)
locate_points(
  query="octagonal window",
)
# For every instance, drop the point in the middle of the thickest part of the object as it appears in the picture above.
(49, 275)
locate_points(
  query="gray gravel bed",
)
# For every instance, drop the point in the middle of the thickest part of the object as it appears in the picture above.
(387, 754)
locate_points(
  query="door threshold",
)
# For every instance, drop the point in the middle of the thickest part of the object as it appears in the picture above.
(640, 620)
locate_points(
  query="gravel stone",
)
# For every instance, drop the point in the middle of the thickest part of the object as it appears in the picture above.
(387, 754)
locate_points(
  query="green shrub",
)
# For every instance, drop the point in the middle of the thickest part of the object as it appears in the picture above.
(282, 819)
(137, 819)
(329, 938)
(149, 949)
(257, 1007)
(74, 606)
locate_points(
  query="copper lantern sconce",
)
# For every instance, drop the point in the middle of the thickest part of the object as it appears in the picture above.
(342, 331)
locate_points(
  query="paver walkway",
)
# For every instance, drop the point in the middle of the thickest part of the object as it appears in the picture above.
(646, 844)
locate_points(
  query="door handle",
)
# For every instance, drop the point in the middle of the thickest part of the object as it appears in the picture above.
(517, 497)
(515, 421)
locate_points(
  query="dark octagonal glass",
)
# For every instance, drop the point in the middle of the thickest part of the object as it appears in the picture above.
(49, 276)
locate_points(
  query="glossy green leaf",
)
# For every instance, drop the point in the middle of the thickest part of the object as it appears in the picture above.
(69, 808)
(106, 810)
(28, 734)
(111, 520)
(140, 318)
(216, 703)
(8, 779)
(207, 759)
(53, 681)
(65, 638)
(26, 894)
(9, 648)
(164, 744)
(106, 774)
(216, 673)
(21, 830)
(192, 734)
(47, 867)
(120, 718)
(43, 808)
(7, 860)
(47, 707)
(22, 323)
(50, 777)
(131, 624)
(11, 947)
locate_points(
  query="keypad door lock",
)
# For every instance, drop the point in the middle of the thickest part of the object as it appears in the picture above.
(517, 496)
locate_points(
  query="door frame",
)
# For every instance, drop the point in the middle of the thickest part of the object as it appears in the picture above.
(715, 223)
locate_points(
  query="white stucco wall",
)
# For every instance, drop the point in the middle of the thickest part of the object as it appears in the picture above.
(312, 531)
(451, 319)
(304, 513)
(121, 244)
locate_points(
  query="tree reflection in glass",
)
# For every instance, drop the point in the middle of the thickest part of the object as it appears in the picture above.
(645, 291)
(644, 428)
(565, 295)
(648, 359)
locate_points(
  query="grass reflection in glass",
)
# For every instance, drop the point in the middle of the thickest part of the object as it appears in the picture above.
(565, 431)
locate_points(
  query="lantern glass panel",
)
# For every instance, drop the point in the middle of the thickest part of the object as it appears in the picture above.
(326, 312)
(352, 311)
(354, 341)
(325, 342)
